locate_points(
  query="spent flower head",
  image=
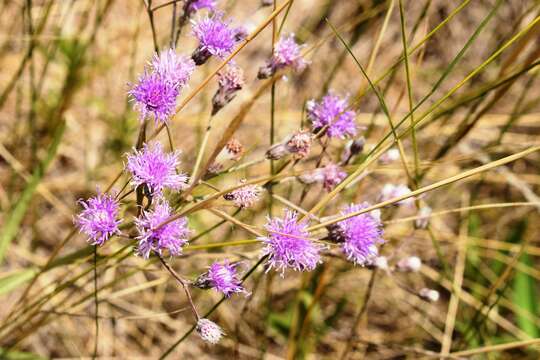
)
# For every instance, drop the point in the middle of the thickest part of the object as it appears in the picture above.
(99, 218)
(358, 235)
(155, 96)
(153, 236)
(287, 244)
(391, 191)
(245, 196)
(152, 167)
(231, 80)
(332, 114)
(209, 331)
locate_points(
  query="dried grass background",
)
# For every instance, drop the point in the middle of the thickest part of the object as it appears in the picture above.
(72, 61)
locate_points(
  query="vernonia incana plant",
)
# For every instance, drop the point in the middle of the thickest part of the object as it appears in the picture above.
(155, 208)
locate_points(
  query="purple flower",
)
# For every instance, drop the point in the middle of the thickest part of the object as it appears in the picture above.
(223, 278)
(215, 37)
(209, 331)
(288, 244)
(196, 5)
(359, 235)
(332, 175)
(98, 219)
(153, 237)
(173, 68)
(152, 167)
(331, 112)
(245, 196)
(231, 80)
(287, 53)
(155, 96)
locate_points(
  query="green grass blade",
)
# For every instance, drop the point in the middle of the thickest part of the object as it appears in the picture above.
(15, 217)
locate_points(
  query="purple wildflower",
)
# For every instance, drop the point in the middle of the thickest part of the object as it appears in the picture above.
(153, 237)
(156, 96)
(245, 196)
(231, 80)
(333, 175)
(196, 5)
(215, 37)
(288, 244)
(209, 331)
(223, 278)
(152, 167)
(287, 53)
(173, 68)
(359, 235)
(98, 219)
(331, 112)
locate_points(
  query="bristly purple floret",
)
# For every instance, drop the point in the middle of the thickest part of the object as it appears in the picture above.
(155, 96)
(170, 237)
(156, 169)
(197, 5)
(288, 53)
(98, 219)
(215, 36)
(288, 244)
(359, 235)
(173, 68)
(223, 278)
(331, 112)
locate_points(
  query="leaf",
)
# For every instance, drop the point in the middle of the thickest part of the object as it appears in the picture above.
(14, 280)
(524, 296)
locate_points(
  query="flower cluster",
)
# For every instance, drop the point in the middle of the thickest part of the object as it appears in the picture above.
(159, 86)
(99, 218)
(288, 245)
(216, 38)
(333, 116)
(154, 168)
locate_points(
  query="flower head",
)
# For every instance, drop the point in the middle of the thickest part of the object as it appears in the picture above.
(154, 95)
(196, 5)
(331, 112)
(209, 331)
(215, 36)
(359, 235)
(173, 68)
(287, 53)
(245, 196)
(98, 219)
(288, 244)
(153, 236)
(332, 175)
(152, 167)
(231, 80)
(223, 278)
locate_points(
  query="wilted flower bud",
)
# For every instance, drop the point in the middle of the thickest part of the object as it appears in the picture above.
(352, 148)
(409, 264)
(245, 196)
(389, 156)
(209, 331)
(391, 191)
(297, 144)
(231, 80)
(380, 262)
(329, 176)
(429, 294)
(423, 221)
(267, 2)
(233, 151)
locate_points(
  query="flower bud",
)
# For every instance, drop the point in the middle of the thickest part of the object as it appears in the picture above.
(423, 221)
(409, 264)
(429, 294)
